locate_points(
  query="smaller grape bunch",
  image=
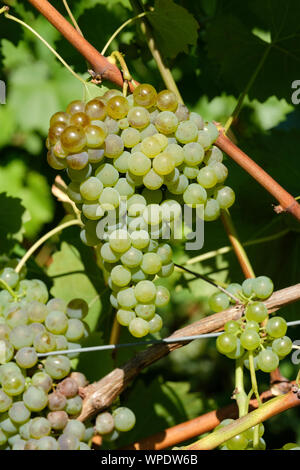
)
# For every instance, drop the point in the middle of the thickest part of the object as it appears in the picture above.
(243, 441)
(255, 332)
(40, 398)
(109, 425)
(134, 162)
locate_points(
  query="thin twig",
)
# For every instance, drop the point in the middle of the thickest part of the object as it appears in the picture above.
(69, 11)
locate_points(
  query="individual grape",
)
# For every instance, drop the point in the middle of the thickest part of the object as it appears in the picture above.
(151, 263)
(5, 401)
(247, 287)
(124, 188)
(219, 301)
(139, 327)
(193, 153)
(47, 443)
(140, 239)
(164, 163)
(77, 308)
(194, 195)
(39, 427)
(73, 139)
(256, 311)
(253, 325)
(77, 161)
(55, 132)
(44, 342)
(120, 240)
(35, 398)
(124, 419)
(57, 419)
(132, 257)
(231, 326)
(138, 117)
(145, 95)
(120, 276)
(226, 343)
(152, 180)
(76, 428)
(31, 444)
(207, 177)
(79, 378)
(225, 197)
(121, 162)
(267, 360)
(26, 357)
(211, 210)
(56, 322)
(91, 188)
(220, 171)
(73, 191)
(8, 426)
(137, 181)
(59, 117)
(36, 311)
(276, 327)
(16, 316)
(182, 112)
(130, 137)
(155, 324)
(238, 442)
(75, 330)
(43, 380)
(104, 423)
(166, 122)
(186, 132)
(95, 109)
(263, 287)
(4, 331)
(10, 276)
(145, 311)
(74, 405)
(162, 297)
(170, 210)
(57, 304)
(164, 251)
(250, 432)
(68, 442)
(114, 146)
(19, 413)
(6, 351)
(151, 146)
(139, 164)
(166, 270)
(238, 351)
(92, 211)
(76, 106)
(197, 119)
(79, 119)
(135, 205)
(57, 367)
(282, 346)
(124, 316)
(13, 384)
(152, 214)
(167, 101)
(191, 172)
(109, 199)
(57, 401)
(117, 107)
(250, 339)
(107, 174)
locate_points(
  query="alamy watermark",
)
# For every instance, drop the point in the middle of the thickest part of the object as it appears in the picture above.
(2, 92)
(296, 353)
(296, 94)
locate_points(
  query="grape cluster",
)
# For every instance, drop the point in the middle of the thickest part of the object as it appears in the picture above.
(39, 399)
(133, 163)
(255, 331)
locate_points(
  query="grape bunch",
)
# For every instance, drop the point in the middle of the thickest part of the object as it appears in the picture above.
(134, 162)
(255, 332)
(39, 398)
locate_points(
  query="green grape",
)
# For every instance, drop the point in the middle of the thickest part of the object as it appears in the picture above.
(211, 210)
(165, 253)
(187, 131)
(31, 444)
(76, 428)
(172, 177)
(151, 146)
(282, 346)
(104, 423)
(16, 316)
(121, 162)
(77, 308)
(220, 171)
(232, 327)
(4, 331)
(226, 343)
(247, 287)
(73, 191)
(109, 199)
(167, 101)
(145, 311)
(166, 270)
(5, 401)
(75, 330)
(124, 188)
(137, 223)
(92, 211)
(166, 122)
(164, 163)
(124, 316)
(251, 431)
(91, 188)
(219, 301)
(10, 276)
(35, 398)
(212, 131)
(132, 257)
(207, 177)
(250, 339)
(120, 240)
(191, 172)
(234, 289)
(124, 419)
(193, 153)
(47, 443)
(263, 287)
(276, 327)
(6, 351)
(145, 291)
(180, 186)
(57, 304)
(145, 95)
(57, 367)
(162, 296)
(117, 107)
(135, 205)
(130, 137)
(238, 351)
(8, 426)
(13, 384)
(26, 357)
(194, 195)
(155, 324)
(123, 123)
(36, 311)
(152, 180)
(74, 405)
(126, 298)
(252, 325)
(56, 322)
(44, 342)
(225, 197)
(267, 360)
(139, 164)
(140, 239)
(114, 146)
(39, 427)
(151, 263)
(152, 214)
(138, 117)
(170, 210)
(107, 174)
(177, 153)
(43, 380)
(256, 311)
(120, 276)
(238, 442)
(68, 442)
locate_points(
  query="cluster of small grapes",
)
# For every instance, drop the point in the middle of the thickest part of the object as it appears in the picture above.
(110, 424)
(133, 162)
(39, 400)
(254, 332)
(243, 441)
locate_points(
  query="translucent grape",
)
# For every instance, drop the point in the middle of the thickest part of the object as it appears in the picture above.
(164, 163)
(107, 174)
(114, 146)
(117, 107)
(263, 287)
(267, 360)
(130, 137)
(68, 442)
(39, 427)
(155, 324)
(26, 357)
(120, 240)
(145, 311)
(193, 153)
(57, 367)
(276, 327)
(186, 132)
(132, 257)
(74, 405)
(151, 263)
(124, 419)
(138, 117)
(282, 346)
(194, 195)
(35, 398)
(256, 311)
(95, 109)
(219, 301)
(124, 316)
(226, 343)
(166, 122)
(120, 276)
(207, 177)
(73, 139)
(211, 210)
(250, 339)
(44, 342)
(75, 428)
(139, 164)
(167, 101)
(225, 197)
(5, 401)
(145, 292)
(152, 180)
(76, 106)
(145, 95)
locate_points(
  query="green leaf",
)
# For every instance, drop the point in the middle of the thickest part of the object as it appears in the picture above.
(174, 27)
(76, 275)
(263, 44)
(12, 213)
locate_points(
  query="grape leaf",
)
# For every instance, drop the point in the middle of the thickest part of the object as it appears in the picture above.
(266, 45)
(174, 27)
(12, 213)
(75, 274)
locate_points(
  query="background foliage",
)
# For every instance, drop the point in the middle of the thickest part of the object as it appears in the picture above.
(214, 48)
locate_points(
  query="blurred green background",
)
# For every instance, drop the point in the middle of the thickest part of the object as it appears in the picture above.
(214, 48)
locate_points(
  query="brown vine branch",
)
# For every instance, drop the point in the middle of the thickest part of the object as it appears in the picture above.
(197, 426)
(287, 202)
(101, 394)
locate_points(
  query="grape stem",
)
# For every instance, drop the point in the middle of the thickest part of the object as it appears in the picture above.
(240, 394)
(253, 377)
(45, 237)
(69, 11)
(101, 394)
(219, 285)
(9, 289)
(267, 410)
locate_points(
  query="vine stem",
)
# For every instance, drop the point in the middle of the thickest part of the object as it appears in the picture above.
(240, 394)
(48, 235)
(267, 410)
(287, 202)
(236, 244)
(253, 377)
